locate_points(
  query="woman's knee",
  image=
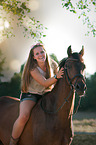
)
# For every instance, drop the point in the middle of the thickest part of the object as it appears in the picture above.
(25, 110)
(23, 118)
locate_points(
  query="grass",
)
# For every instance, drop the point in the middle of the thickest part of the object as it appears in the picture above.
(84, 124)
(83, 139)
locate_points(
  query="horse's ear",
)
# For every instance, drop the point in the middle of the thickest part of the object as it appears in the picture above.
(82, 51)
(69, 51)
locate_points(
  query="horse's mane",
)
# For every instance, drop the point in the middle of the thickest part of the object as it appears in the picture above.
(75, 55)
(62, 62)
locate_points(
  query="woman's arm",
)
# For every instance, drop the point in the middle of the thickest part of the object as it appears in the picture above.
(42, 80)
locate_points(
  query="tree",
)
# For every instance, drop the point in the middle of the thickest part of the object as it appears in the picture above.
(15, 85)
(91, 91)
(13, 88)
(2, 60)
(88, 102)
(17, 10)
(53, 56)
(84, 9)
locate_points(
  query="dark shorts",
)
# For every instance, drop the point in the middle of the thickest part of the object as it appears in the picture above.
(30, 96)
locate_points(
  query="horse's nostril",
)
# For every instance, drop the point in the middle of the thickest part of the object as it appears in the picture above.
(77, 87)
(81, 87)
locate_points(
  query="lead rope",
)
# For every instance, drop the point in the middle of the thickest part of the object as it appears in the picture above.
(66, 100)
(53, 112)
(72, 86)
(77, 106)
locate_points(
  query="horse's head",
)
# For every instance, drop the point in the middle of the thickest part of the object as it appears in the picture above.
(74, 70)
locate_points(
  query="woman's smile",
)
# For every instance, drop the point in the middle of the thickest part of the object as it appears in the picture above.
(39, 54)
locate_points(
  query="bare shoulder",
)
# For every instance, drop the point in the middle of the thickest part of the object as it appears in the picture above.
(37, 76)
(34, 71)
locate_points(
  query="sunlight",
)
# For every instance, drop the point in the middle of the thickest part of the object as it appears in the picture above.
(33, 5)
(6, 24)
(15, 65)
(3, 25)
(1, 28)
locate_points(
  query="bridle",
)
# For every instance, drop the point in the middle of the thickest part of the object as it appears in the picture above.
(75, 76)
(73, 88)
(71, 91)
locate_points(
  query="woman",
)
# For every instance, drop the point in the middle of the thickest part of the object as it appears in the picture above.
(36, 80)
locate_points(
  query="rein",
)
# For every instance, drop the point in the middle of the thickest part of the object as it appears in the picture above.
(53, 112)
(73, 87)
(69, 95)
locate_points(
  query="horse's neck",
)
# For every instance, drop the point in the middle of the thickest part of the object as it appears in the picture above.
(62, 91)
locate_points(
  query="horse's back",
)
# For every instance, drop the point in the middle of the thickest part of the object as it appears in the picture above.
(9, 109)
(8, 100)
(8, 104)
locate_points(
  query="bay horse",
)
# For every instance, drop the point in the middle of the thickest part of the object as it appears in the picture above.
(50, 122)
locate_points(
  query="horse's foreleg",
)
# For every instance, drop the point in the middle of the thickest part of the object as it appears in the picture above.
(68, 134)
(66, 141)
(68, 137)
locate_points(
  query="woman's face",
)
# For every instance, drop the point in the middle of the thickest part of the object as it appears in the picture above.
(39, 54)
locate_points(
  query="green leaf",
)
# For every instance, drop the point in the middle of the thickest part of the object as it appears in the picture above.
(93, 3)
(40, 41)
(44, 35)
(73, 11)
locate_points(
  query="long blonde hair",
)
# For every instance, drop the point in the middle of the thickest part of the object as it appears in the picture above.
(31, 64)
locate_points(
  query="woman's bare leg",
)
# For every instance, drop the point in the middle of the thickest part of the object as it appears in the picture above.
(25, 109)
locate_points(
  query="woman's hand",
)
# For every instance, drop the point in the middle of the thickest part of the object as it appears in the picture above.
(60, 73)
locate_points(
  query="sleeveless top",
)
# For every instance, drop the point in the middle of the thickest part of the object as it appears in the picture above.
(35, 88)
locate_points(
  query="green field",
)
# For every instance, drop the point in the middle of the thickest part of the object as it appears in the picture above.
(85, 128)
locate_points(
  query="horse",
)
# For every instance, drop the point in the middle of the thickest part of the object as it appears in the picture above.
(50, 121)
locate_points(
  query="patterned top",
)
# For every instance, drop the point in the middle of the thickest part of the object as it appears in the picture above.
(35, 87)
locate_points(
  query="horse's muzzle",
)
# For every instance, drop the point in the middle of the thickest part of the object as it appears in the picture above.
(80, 88)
